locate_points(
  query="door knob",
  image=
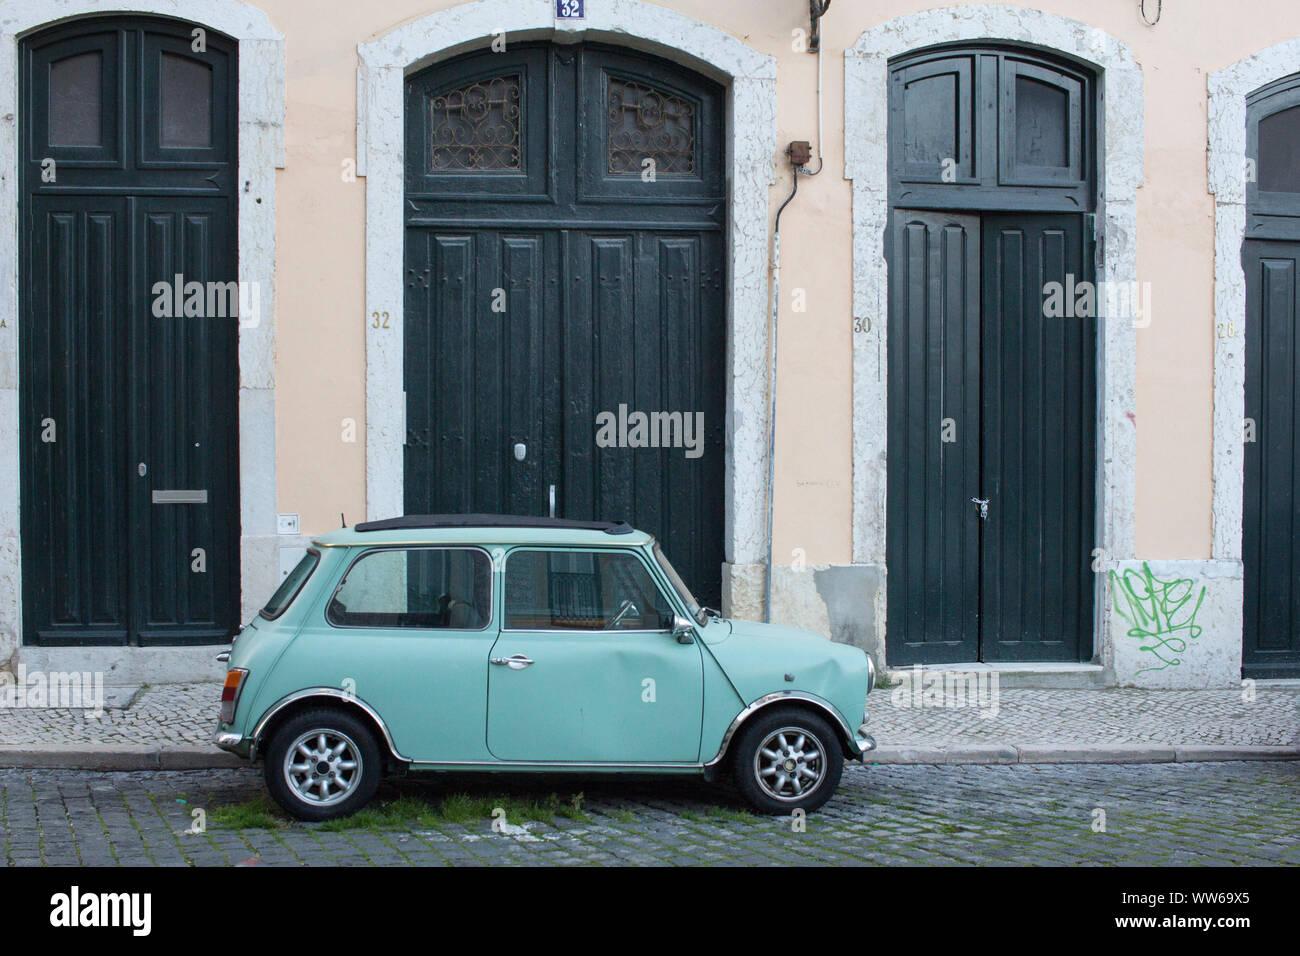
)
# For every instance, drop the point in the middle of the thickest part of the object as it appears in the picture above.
(983, 505)
(140, 469)
(516, 662)
(551, 512)
(521, 451)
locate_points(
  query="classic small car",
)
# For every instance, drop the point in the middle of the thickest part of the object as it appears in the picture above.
(486, 642)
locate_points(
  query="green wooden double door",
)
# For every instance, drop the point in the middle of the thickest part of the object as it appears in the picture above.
(565, 306)
(991, 438)
(1270, 258)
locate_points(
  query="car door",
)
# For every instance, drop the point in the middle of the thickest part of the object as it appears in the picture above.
(406, 630)
(586, 668)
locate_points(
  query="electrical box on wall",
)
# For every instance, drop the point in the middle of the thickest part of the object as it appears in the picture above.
(286, 524)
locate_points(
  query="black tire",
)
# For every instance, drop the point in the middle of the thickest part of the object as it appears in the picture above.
(745, 761)
(338, 726)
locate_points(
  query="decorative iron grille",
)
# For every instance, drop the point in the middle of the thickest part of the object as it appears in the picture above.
(645, 123)
(476, 128)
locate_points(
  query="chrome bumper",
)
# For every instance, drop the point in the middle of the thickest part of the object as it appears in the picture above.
(865, 742)
(233, 743)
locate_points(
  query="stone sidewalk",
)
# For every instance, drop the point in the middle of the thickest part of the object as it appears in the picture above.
(170, 727)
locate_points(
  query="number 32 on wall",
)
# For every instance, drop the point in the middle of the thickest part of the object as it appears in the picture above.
(379, 320)
(570, 9)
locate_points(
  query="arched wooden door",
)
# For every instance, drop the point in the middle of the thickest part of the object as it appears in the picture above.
(565, 315)
(1271, 259)
(992, 407)
(129, 388)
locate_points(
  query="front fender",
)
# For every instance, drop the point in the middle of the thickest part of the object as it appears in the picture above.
(856, 745)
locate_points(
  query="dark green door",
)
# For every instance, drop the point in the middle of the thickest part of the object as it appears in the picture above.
(1038, 455)
(129, 444)
(1271, 530)
(565, 268)
(991, 440)
(1271, 501)
(933, 535)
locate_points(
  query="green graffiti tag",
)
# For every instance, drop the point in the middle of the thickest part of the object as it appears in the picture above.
(1158, 612)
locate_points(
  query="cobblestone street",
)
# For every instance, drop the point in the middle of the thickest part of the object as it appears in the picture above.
(1196, 813)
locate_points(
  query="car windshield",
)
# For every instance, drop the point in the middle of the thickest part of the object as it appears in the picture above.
(290, 586)
(692, 605)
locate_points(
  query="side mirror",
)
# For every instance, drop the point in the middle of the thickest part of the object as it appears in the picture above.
(683, 629)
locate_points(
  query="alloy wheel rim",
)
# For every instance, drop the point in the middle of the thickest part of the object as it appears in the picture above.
(323, 767)
(790, 764)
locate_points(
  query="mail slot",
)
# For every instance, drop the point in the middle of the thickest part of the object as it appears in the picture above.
(181, 497)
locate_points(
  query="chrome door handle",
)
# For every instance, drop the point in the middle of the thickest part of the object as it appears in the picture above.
(516, 662)
(983, 504)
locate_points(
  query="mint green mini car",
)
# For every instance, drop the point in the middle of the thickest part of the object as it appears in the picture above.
(485, 642)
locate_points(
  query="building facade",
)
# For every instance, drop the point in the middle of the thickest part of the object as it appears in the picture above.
(960, 332)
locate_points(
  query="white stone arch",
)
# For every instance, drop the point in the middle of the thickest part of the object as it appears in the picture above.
(261, 151)
(1226, 174)
(866, 115)
(750, 78)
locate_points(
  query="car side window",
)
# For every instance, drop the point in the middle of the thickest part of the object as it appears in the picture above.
(437, 588)
(582, 591)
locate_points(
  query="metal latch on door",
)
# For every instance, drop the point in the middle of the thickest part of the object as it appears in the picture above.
(983, 505)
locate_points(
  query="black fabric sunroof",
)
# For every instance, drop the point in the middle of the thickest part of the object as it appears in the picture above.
(406, 522)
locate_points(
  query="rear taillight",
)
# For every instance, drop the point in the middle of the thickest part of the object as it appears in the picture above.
(230, 693)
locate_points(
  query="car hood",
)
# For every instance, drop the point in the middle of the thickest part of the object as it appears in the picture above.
(761, 659)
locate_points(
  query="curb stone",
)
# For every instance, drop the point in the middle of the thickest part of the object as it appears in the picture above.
(115, 757)
(104, 757)
(989, 754)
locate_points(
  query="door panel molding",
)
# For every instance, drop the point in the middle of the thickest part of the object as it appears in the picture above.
(749, 143)
(1271, 532)
(261, 147)
(1038, 434)
(934, 436)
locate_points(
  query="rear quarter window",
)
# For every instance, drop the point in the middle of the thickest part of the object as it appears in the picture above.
(291, 585)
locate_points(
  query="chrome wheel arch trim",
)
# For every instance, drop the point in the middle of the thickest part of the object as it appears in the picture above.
(329, 692)
(847, 739)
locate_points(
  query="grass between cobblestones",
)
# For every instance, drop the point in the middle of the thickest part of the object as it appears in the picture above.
(410, 812)
(262, 813)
